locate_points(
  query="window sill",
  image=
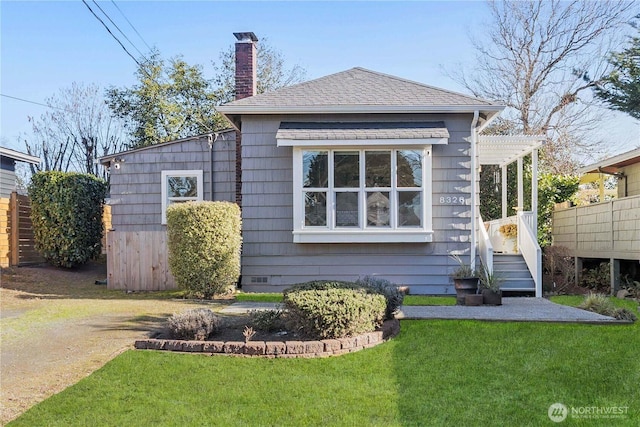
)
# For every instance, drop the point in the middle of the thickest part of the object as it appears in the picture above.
(368, 236)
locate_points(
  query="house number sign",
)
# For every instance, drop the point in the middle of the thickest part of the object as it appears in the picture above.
(452, 200)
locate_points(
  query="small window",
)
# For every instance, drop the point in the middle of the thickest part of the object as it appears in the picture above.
(180, 187)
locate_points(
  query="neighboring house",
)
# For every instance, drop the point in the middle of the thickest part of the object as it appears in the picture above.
(353, 174)
(607, 230)
(8, 179)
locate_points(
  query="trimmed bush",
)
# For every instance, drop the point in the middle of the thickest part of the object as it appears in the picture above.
(388, 290)
(372, 285)
(66, 211)
(334, 313)
(196, 324)
(204, 246)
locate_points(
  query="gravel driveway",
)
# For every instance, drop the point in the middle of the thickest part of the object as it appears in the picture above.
(58, 326)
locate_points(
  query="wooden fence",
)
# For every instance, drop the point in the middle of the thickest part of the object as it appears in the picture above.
(17, 234)
(138, 261)
(17, 245)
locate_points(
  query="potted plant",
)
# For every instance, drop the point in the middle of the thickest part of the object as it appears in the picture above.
(465, 280)
(490, 285)
(510, 234)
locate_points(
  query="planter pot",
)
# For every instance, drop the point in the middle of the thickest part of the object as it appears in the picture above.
(465, 286)
(473, 299)
(492, 298)
(510, 245)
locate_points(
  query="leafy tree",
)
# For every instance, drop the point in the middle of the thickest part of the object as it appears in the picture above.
(552, 189)
(171, 100)
(620, 89)
(76, 131)
(272, 72)
(533, 57)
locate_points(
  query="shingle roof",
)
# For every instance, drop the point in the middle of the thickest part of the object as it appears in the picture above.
(354, 88)
(369, 131)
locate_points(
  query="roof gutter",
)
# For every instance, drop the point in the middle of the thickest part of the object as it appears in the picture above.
(474, 185)
(230, 109)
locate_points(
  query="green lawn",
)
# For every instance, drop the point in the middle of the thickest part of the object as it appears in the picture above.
(439, 372)
(265, 297)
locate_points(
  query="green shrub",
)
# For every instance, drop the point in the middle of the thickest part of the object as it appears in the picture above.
(372, 285)
(196, 324)
(598, 279)
(334, 313)
(388, 290)
(66, 211)
(204, 246)
(267, 320)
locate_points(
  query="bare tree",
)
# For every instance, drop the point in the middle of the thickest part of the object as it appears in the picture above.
(76, 130)
(534, 59)
(272, 72)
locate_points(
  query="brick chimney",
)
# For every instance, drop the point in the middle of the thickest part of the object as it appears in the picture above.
(246, 67)
(246, 86)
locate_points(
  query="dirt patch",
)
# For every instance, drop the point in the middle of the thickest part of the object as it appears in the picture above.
(57, 326)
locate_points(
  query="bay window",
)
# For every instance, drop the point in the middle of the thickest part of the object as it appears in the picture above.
(362, 195)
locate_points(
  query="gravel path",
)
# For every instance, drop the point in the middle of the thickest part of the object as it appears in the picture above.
(57, 327)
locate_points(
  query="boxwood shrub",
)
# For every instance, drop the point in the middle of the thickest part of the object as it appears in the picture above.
(334, 313)
(370, 284)
(204, 246)
(66, 212)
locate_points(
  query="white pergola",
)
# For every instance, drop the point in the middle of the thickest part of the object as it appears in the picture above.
(503, 150)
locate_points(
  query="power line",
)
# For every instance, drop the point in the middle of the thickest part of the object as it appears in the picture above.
(134, 28)
(36, 103)
(118, 28)
(112, 35)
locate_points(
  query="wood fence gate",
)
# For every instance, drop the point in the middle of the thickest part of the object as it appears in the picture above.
(17, 245)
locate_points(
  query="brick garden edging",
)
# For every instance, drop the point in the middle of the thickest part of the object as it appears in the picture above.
(272, 349)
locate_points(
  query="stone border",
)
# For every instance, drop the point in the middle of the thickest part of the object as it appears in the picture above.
(279, 349)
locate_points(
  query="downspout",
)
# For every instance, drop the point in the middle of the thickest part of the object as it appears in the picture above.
(474, 219)
(211, 139)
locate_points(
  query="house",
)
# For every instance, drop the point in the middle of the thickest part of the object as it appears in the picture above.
(356, 173)
(608, 230)
(8, 159)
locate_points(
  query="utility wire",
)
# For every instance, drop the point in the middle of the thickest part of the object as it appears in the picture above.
(118, 28)
(134, 28)
(112, 35)
(37, 103)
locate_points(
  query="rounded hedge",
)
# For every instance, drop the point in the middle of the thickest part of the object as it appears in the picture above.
(204, 240)
(66, 212)
(334, 312)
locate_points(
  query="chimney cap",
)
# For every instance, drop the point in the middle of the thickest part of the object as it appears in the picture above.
(246, 37)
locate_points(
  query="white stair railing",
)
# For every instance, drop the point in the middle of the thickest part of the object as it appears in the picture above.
(485, 246)
(529, 248)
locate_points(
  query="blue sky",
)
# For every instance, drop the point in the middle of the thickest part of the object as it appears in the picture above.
(46, 46)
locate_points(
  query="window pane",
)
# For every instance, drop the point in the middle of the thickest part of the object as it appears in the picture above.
(409, 168)
(315, 169)
(346, 169)
(378, 209)
(347, 210)
(409, 208)
(378, 168)
(182, 186)
(315, 209)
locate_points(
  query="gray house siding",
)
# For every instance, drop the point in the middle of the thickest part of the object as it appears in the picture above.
(135, 194)
(270, 259)
(7, 176)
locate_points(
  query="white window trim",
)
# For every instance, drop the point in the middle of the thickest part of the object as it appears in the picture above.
(329, 234)
(200, 187)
